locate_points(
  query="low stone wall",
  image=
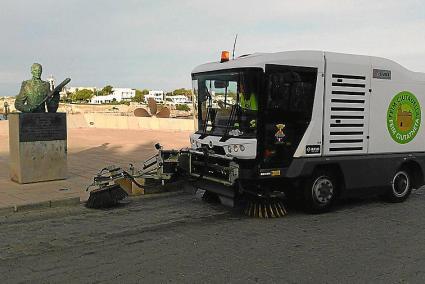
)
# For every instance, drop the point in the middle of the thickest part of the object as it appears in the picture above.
(98, 120)
(76, 121)
(88, 108)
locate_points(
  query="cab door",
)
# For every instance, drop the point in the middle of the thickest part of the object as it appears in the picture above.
(286, 112)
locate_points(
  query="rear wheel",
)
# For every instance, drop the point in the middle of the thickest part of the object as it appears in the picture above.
(401, 186)
(320, 192)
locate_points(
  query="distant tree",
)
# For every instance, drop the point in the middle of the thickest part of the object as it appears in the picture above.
(107, 90)
(183, 91)
(67, 98)
(83, 95)
(140, 95)
(97, 92)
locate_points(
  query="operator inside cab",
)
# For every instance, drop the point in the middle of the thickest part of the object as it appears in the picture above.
(249, 103)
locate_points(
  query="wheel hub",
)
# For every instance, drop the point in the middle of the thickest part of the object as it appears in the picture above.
(323, 190)
(400, 184)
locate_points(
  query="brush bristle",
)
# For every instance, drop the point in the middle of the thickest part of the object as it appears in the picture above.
(267, 208)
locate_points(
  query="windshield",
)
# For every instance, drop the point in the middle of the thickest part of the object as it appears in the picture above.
(227, 102)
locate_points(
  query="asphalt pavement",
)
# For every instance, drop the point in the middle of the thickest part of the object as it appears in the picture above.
(178, 238)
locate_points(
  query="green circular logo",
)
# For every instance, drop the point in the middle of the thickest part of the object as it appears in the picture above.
(404, 117)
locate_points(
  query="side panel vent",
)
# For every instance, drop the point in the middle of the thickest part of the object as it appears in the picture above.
(346, 120)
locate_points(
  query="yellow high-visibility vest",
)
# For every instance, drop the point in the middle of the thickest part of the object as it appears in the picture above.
(250, 103)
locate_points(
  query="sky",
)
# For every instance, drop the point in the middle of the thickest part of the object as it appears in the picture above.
(156, 44)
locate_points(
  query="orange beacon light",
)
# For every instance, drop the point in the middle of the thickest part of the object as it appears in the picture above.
(225, 55)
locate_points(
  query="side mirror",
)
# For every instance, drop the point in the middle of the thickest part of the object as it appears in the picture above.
(221, 84)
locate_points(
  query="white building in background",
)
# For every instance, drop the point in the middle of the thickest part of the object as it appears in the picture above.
(118, 95)
(51, 81)
(178, 99)
(158, 96)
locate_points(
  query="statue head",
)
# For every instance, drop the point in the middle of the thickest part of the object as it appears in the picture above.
(36, 70)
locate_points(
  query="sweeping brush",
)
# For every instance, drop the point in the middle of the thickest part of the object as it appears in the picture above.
(106, 196)
(265, 208)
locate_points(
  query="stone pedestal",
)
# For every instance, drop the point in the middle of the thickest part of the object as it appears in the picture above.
(37, 147)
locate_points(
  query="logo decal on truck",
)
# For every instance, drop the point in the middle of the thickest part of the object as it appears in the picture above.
(312, 149)
(404, 117)
(279, 135)
(382, 74)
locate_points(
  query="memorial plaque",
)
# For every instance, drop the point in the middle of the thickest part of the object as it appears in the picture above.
(42, 127)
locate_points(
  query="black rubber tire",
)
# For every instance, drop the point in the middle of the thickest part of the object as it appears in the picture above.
(311, 199)
(400, 187)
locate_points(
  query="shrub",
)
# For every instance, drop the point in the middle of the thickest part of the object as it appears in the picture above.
(183, 107)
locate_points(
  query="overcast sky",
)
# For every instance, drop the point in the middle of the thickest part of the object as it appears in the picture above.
(155, 44)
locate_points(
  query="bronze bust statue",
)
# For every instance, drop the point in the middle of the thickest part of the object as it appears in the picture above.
(35, 94)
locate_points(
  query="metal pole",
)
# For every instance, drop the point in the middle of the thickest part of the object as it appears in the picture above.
(234, 46)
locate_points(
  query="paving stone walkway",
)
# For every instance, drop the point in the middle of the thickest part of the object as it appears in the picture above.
(89, 149)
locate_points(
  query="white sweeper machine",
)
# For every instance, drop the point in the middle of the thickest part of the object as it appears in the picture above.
(307, 124)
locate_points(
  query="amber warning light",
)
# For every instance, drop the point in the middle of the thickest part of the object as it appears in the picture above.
(225, 55)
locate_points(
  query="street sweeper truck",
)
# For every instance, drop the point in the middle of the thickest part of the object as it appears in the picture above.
(318, 125)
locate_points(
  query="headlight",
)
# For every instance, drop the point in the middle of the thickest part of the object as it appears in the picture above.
(236, 148)
(242, 147)
(229, 149)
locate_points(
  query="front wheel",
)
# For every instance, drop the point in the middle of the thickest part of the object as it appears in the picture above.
(320, 192)
(401, 186)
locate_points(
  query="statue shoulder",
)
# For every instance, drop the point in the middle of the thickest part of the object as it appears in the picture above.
(25, 83)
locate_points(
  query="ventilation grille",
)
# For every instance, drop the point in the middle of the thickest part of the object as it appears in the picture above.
(347, 121)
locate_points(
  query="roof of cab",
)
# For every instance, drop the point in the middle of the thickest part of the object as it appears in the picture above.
(259, 60)
(310, 58)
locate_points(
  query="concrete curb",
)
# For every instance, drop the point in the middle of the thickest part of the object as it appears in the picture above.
(7, 210)
(69, 201)
(32, 206)
(156, 195)
(73, 201)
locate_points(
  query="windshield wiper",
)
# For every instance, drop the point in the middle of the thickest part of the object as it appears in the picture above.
(207, 117)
